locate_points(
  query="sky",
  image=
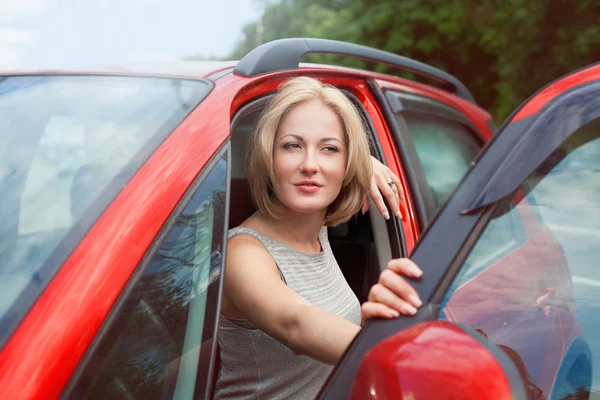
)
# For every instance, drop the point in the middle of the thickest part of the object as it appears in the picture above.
(78, 33)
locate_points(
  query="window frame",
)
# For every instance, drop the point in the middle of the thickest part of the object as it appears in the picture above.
(402, 103)
(205, 366)
(395, 231)
(394, 104)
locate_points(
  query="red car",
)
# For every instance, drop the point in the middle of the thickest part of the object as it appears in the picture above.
(117, 189)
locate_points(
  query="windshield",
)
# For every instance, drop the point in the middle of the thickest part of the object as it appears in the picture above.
(68, 145)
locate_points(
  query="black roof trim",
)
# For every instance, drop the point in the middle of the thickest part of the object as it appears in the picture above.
(285, 54)
(532, 140)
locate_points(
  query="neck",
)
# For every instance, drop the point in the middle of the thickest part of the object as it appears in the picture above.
(298, 229)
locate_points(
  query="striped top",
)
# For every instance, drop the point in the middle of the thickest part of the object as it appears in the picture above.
(256, 366)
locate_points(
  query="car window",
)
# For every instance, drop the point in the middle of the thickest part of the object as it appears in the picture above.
(505, 233)
(159, 343)
(69, 144)
(536, 288)
(444, 148)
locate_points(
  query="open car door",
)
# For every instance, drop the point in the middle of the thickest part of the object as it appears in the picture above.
(511, 281)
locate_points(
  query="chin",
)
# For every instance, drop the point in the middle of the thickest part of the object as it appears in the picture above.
(306, 207)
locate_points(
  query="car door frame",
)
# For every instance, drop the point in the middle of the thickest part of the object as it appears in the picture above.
(388, 99)
(205, 365)
(470, 207)
(254, 96)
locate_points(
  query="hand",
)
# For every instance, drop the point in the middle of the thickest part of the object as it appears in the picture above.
(380, 184)
(392, 295)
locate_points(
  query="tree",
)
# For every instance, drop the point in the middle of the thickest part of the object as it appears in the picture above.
(502, 50)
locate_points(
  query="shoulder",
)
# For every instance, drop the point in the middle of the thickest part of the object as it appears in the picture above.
(246, 253)
(243, 243)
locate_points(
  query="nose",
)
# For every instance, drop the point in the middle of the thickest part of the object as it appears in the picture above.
(309, 164)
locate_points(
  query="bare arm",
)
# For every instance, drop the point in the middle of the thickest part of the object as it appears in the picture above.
(254, 287)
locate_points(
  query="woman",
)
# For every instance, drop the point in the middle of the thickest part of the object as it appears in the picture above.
(287, 312)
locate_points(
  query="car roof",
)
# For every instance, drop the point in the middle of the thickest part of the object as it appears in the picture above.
(183, 69)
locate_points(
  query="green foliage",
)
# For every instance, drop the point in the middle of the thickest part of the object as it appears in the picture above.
(503, 50)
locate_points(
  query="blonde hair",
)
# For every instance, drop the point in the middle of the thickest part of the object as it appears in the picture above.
(259, 160)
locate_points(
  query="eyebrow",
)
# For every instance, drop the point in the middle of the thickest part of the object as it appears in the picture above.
(301, 139)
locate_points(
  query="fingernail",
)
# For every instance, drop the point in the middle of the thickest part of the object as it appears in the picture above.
(386, 215)
(410, 309)
(416, 272)
(394, 313)
(415, 300)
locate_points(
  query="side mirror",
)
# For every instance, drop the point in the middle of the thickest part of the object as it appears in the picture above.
(437, 360)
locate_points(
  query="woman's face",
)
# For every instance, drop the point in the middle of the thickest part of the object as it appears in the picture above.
(309, 158)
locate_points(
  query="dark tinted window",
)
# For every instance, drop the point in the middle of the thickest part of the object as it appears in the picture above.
(531, 284)
(159, 345)
(445, 148)
(67, 146)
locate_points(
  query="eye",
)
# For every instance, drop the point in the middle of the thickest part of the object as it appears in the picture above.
(291, 146)
(331, 149)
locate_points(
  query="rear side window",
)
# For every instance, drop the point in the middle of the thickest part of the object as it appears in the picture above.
(439, 143)
(445, 148)
(69, 144)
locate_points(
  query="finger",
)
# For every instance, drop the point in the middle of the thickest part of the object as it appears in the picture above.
(402, 209)
(370, 310)
(399, 287)
(390, 194)
(365, 205)
(399, 186)
(378, 200)
(381, 294)
(405, 266)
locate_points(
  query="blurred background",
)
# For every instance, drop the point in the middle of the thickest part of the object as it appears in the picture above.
(503, 50)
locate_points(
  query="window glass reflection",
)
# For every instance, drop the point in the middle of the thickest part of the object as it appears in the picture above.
(445, 149)
(68, 145)
(154, 347)
(531, 284)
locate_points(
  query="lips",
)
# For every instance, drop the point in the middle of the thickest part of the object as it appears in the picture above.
(308, 186)
(308, 183)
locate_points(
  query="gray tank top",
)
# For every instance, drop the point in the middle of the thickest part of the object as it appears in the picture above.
(256, 366)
